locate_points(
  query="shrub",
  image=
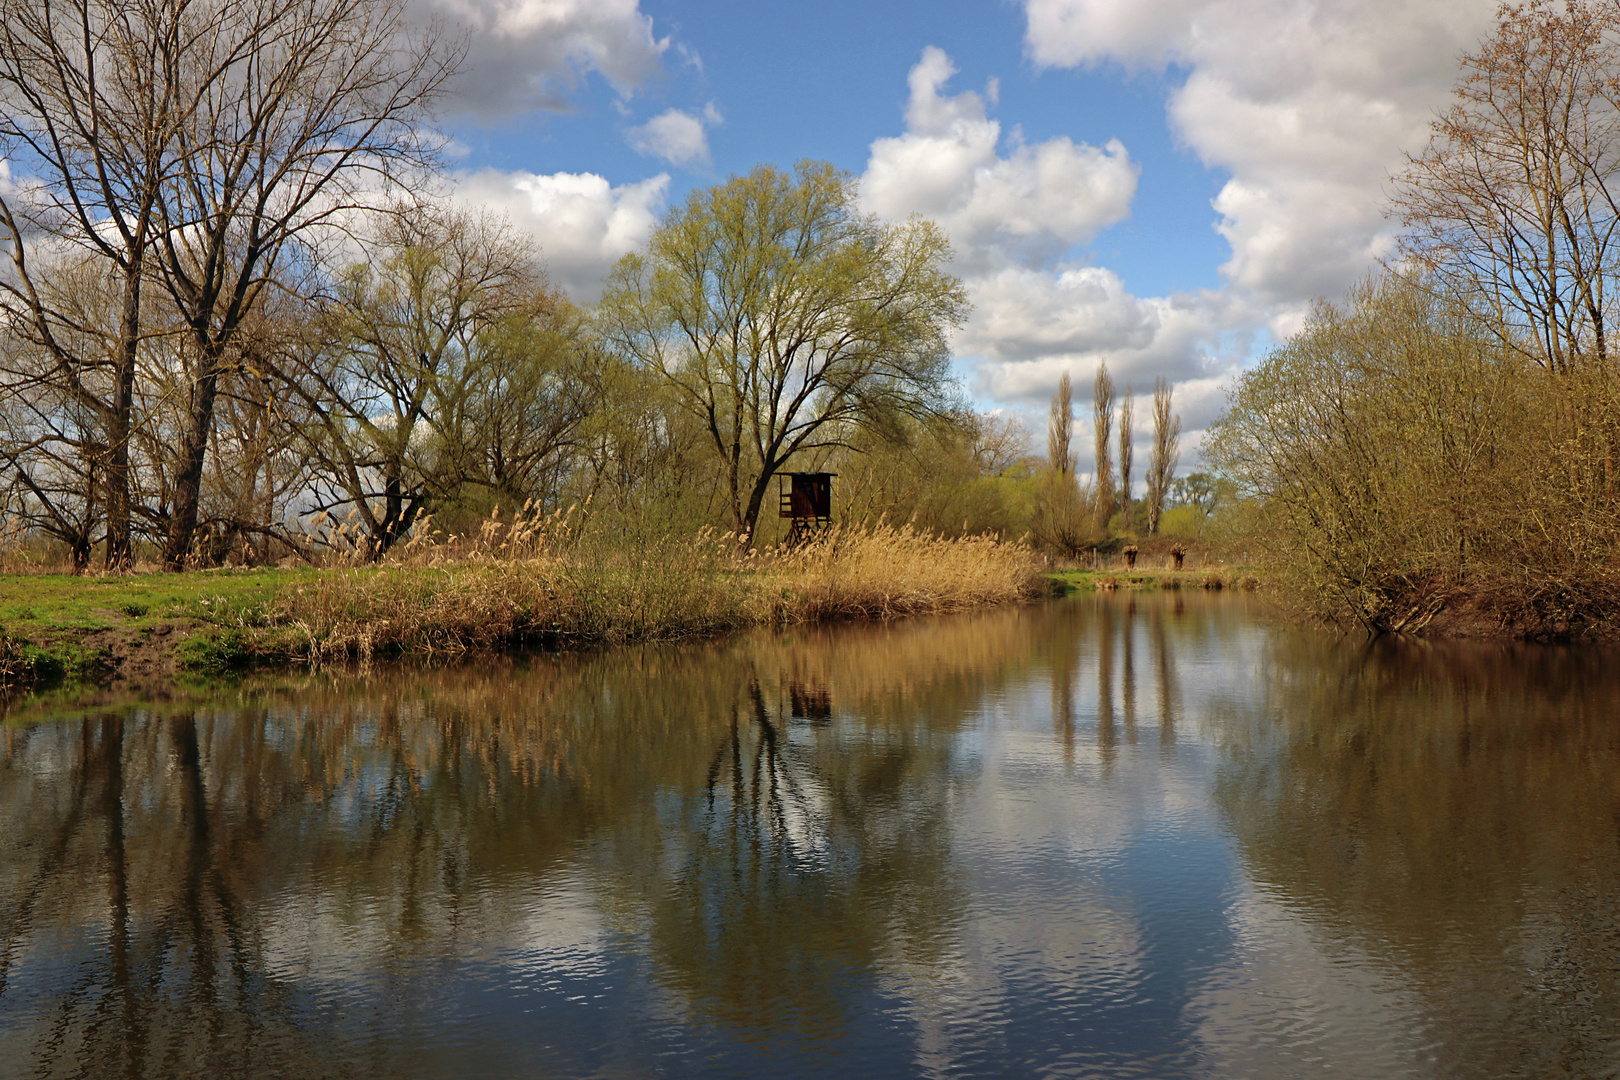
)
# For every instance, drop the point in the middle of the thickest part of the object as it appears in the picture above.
(1411, 467)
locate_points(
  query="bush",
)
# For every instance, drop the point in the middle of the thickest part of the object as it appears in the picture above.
(1414, 471)
(1183, 522)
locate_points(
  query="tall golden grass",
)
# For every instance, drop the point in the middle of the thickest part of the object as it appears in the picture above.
(549, 579)
(890, 571)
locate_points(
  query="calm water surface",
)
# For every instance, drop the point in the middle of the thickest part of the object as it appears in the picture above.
(1105, 837)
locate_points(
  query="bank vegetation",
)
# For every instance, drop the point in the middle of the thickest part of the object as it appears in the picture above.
(243, 323)
(1438, 451)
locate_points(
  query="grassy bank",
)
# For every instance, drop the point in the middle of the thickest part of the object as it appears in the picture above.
(1213, 578)
(521, 585)
(61, 628)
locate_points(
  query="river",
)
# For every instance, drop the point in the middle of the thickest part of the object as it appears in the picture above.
(1151, 835)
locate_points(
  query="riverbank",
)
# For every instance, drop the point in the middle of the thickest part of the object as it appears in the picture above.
(150, 627)
(1212, 578)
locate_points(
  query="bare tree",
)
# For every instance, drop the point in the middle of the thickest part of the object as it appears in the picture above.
(89, 109)
(1513, 204)
(302, 106)
(1000, 444)
(1102, 419)
(257, 477)
(1166, 451)
(1127, 436)
(445, 361)
(52, 450)
(1060, 428)
(196, 144)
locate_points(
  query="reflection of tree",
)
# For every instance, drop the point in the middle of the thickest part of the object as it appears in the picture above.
(813, 858)
(1451, 810)
(167, 983)
(1169, 692)
(1107, 736)
(173, 883)
(1105, 630)
(1128, 662)
(1065, 671)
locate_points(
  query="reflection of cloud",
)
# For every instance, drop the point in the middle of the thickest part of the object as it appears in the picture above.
(1296, 1004)
(1102, 877)
(525, 54)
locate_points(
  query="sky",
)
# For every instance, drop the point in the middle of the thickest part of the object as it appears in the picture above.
(1162, 185)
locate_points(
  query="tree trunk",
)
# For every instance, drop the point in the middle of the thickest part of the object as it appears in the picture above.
(119, 554)
(119, 550)
(188, 478)
(756, 499)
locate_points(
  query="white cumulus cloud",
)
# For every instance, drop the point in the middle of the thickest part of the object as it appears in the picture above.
(1307, 104)
(677, 137)
(584, 224)
(1030, 326)
(1016, 214)
(1029, 206)
(526, 54)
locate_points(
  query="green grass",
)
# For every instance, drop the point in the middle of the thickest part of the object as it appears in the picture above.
(49, 623)
(49, 604)
(1202, 578)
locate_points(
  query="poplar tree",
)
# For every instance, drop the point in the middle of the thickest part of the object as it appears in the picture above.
(1060, 428)
(1127, 435)
(1165, 454)
(1102, 418)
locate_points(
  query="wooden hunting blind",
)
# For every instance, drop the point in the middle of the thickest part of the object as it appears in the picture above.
(806, 499)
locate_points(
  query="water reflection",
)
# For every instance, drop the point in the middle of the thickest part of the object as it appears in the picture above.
(1451, 812)
(1134, 836)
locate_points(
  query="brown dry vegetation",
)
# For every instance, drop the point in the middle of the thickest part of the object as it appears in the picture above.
(539, 580)
(1416, 475)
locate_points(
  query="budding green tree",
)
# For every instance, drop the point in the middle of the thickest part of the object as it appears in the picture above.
(784, 320)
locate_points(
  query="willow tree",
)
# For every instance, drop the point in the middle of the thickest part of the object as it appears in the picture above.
(447, 368)
(784, 320)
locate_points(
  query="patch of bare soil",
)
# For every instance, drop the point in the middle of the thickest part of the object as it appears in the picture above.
(138, 659)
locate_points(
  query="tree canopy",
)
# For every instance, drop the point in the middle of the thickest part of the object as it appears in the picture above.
(785, 320)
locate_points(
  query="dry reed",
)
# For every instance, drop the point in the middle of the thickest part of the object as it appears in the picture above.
(547, 579)
(886, 571)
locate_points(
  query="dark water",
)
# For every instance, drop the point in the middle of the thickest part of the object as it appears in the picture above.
(1106, 837)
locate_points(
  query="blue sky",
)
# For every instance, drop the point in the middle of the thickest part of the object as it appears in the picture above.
(844, 84)
(1161, 185)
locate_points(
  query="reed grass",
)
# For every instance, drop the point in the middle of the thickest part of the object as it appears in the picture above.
(890, 571)
(550, 580)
